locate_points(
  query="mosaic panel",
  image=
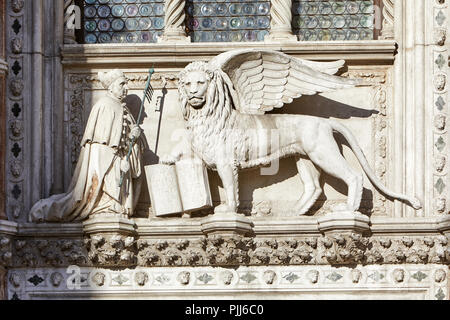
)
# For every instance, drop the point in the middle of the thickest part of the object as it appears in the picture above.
(333, 20)
(123, 21)
(228, 21)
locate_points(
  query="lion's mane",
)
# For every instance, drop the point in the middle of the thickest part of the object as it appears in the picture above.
(217, 118)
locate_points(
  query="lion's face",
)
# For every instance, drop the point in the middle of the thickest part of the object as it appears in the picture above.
(195, 85)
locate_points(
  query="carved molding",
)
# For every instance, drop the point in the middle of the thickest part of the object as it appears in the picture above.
(174, 22)
(111, 250)
(217, 250)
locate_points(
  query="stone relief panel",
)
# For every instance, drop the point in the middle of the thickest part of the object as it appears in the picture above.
(220, 250)
(161, 131)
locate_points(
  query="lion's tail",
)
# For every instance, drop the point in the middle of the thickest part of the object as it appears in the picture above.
(415, 203)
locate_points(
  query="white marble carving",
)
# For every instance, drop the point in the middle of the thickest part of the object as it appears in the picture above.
(281, 20)
(71, 14)
(206, 283)
(95, 184)
(174, 18)
(224, 102)
(388, 19)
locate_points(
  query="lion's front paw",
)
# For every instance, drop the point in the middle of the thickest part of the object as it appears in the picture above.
(168, 159)
(341, 207)
(223, 208)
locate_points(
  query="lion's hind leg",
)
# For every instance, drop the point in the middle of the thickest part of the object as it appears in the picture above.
(327, 156)
(312, 190)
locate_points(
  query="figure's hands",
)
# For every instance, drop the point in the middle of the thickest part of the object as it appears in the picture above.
(124, 166)
(136, 132)
(169, 159)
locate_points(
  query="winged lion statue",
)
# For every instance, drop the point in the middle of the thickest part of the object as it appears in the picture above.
(224, 104)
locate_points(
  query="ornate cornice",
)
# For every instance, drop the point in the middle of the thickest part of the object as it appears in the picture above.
(168, 243)
(177, 55)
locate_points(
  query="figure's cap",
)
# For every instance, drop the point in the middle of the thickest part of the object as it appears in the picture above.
(107, 78)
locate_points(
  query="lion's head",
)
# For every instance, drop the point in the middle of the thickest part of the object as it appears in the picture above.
(204, 93)
(194, 83)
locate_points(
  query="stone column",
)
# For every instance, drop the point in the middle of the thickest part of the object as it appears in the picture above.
(387, 31)
(174, 22)
(281, 24)
(69, 32)
(3, 73)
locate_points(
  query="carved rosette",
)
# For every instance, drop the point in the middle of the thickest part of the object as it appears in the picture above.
(381, 81)
(111, 250)
(43, 252)
(440, 109)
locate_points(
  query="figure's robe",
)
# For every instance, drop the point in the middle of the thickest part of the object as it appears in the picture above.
(94, 187)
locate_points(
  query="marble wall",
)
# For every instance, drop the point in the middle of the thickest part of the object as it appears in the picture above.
(48, 84)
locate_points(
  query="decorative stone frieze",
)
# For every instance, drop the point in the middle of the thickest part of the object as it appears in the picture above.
(5, 250)
(287, 282)
(69, 16)
(115, 250)
(440, 109)
(14, 155)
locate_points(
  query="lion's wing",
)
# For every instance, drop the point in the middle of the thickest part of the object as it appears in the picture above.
(264, 80)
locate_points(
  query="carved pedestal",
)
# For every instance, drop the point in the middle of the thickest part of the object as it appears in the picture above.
(227, 224)
(111, 240)
(343, 222)
(174, 36)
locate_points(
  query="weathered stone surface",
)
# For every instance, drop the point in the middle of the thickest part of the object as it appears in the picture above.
(281, 282)
(399, 117)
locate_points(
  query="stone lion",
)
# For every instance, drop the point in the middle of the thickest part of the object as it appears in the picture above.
(224, 102)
